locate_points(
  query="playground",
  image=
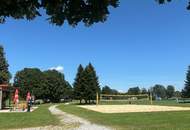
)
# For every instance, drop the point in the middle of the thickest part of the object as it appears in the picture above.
(10, 102)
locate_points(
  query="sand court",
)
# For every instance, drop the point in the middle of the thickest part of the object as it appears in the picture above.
(133, 108)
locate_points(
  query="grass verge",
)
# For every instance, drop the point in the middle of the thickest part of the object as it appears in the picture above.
(40, 117)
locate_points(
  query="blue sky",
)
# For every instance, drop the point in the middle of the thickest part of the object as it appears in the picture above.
(141, 44)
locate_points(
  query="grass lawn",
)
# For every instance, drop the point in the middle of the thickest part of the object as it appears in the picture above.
(40, 117)
(137, 121)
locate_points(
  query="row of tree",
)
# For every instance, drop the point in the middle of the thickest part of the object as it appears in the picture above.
(158, 91)
(51, 84)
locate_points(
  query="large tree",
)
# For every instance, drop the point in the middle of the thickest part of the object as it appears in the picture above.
(144, 91)
(58, 11)
(159, 91)
(107, 90)
(4, 72)
(170, 91)
(186, 90)
(30, 80)
(56, 87)
(134, 91)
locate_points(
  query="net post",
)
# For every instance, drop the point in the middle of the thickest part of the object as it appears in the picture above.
(151, 98)
(97, 98)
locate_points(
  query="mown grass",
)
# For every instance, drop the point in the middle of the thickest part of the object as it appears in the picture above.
(136, 121)
(40, 117)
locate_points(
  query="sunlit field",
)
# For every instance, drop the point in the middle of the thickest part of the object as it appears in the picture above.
(175, 120)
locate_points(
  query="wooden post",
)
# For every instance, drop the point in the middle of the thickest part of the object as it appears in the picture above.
(151, 98)
(1, 98)
(97, 99)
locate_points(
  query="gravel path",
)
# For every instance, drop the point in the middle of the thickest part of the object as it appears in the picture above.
(80, 123)
(69, 122)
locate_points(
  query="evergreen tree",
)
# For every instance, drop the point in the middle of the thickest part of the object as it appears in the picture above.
(186, 90)
(4, 72)
(79, 84)
(86, 84)
(91, 83)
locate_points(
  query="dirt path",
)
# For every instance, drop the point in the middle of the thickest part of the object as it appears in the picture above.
(68, 122)
(79, 123)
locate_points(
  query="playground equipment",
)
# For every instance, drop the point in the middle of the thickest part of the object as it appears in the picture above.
(21, 105)
(3, 87)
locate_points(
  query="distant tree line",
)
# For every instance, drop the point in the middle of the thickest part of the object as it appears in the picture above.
(158, 91)
(107, 90)
(51, 84)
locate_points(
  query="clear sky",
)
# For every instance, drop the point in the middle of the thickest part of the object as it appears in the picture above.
(141, 44)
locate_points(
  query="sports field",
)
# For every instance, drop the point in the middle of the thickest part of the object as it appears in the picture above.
(132, 108)
(162, 120)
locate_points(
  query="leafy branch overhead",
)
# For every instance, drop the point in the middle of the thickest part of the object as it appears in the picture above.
(59, 11)
(165, 1)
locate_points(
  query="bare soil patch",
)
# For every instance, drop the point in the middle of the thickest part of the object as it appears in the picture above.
(132, 108)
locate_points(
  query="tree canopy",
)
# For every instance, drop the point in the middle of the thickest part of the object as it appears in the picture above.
(48, 85)
(159, 91)
(107, 90)
(134, 91)
(59, 11)
(170, 91)
(30, 80)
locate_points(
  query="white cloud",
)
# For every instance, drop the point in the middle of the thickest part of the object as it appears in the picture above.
(122, 91)
(58, 68)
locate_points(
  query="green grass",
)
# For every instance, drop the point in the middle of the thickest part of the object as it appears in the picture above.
(40, 117)
(137, 121)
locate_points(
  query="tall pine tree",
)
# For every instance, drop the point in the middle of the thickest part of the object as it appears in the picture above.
(92, 84)
(186, 90)
(86, 84)
(4, 72)
(78, 85)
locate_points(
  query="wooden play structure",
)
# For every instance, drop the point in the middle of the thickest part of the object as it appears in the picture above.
(9, 99)
(3, 87)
